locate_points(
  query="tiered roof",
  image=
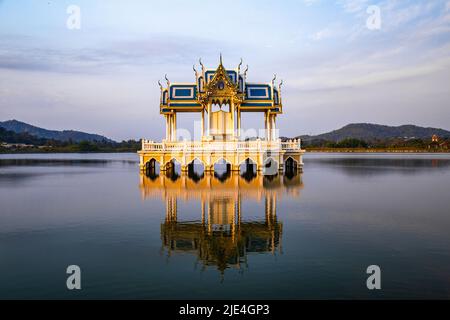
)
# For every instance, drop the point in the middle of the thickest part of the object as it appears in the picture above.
(222, 85)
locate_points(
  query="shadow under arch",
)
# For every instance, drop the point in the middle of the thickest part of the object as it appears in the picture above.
(196, 169)
(222, 169)
(152, 168)
(248, 169)
(290, 167)
(173, 169)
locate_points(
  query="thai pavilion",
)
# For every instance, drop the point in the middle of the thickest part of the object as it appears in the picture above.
(227, 91)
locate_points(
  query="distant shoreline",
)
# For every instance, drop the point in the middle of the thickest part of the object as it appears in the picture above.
(364, 150)
(308, 150)
(65, 152)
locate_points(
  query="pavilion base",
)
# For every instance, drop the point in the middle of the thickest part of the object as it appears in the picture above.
(267, 162)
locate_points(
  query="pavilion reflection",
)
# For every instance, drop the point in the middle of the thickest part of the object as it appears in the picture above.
(222, 236)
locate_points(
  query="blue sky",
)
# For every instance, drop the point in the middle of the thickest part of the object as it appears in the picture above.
(103, 77)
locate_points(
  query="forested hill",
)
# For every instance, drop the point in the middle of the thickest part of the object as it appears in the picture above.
(41, 133)
(371, 132)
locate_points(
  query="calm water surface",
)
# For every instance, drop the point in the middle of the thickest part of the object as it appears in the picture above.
(310, 235)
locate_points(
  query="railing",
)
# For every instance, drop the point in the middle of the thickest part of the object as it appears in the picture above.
(254, 145)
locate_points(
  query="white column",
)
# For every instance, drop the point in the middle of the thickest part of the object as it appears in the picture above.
(209, 120)
(232, 118)
(171, 127)
(172, 136)
(265, 123)
(267, 119)
(274, 134)
(238, 123)
(174, 127)
(270, 127)
(203, 124)
(167, 127)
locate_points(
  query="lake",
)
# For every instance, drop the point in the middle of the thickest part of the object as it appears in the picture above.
(307, 235)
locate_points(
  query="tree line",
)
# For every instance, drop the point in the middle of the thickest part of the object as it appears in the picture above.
(28, 143)
(393, 143)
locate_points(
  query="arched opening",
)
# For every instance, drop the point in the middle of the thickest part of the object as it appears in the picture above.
(222, 169)
(248, 169)
(290, 167)
(196, 170)
(215, 107)
(225, 107)
(173, 169)
(270, 167)
(152, 169)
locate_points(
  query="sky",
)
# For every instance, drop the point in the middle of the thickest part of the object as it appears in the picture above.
(339, 63)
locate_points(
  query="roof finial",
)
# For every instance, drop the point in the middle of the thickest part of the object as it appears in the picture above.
(221, 58)
(245, 72)
(167, 80)
(279, 91)
(274, 78)
(196, 73)
(160, 85)
(200, 61)
(240, 64)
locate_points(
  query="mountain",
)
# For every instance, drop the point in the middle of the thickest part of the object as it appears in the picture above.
(65, 135)
(371, 132)
(19, 138)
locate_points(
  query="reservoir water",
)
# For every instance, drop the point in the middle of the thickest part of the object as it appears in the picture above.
(200, 236)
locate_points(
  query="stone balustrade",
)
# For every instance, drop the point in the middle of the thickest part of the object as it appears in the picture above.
(253, 145)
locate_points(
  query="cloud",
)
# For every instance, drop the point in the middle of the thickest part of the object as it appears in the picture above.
(359, 67)
(310, 2)
(17, 53)
(353, 6)
(322, 34)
